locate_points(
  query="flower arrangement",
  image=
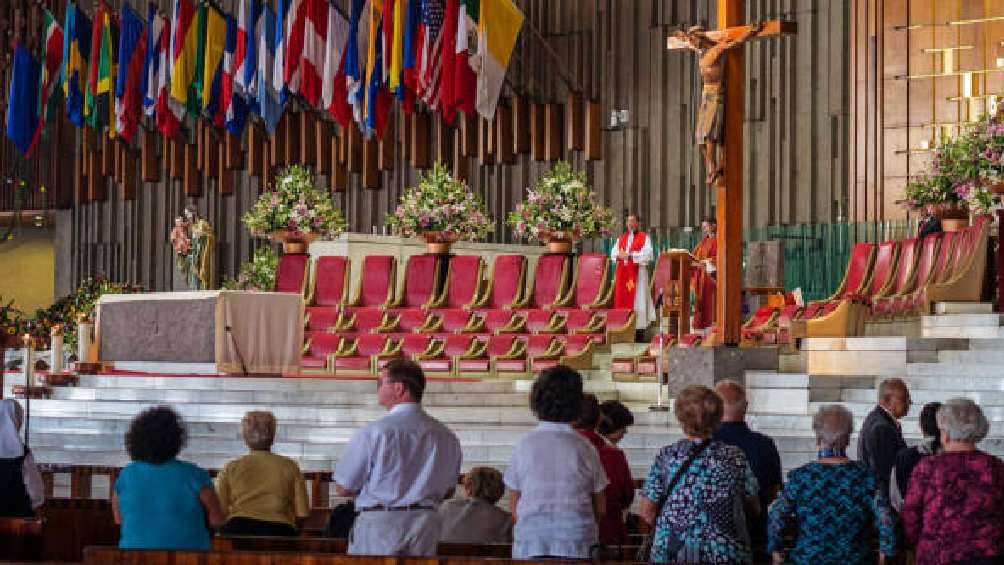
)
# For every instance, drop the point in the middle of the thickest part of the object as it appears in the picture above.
(192, 239)
(11, 322)
(441, 204)
(294, 205)
(258, 274)
(561, 203)
(963, 170)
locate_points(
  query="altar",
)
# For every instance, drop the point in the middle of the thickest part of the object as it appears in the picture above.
(204, 332)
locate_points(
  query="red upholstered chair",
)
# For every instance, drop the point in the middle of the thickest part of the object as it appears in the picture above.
(366, 320)
(965, 278)
(319, 351)
(456, 349)
(376, 282)
(754, 328)
(550, 282)
(504, 321)
(542, 351)
(544, 321)
(781, 333)
(461, 321)
(361, 355)
(883, 273)
(583, 322)
(906, 268)
(418, 320)
(414, 347)
(463, 281)
(421, 281)
(859, 266)
(578, 351)
(479, 360)
(322, 318)
(508, 349)
(328, 291)
(913, 303)
(895, 302)
(505, 287)
(620, 326)
(291, 273)
(590, 288)
(646, 366)
(690, 340)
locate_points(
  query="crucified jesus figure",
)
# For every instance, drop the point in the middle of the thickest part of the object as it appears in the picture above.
(710, 130)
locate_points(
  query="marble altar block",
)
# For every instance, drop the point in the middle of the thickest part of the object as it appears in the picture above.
(355, 246)
(187, 332)
(709, 365)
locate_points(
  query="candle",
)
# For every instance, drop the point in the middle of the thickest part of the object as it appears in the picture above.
(85, 336)
(56, 341)
(29, 363)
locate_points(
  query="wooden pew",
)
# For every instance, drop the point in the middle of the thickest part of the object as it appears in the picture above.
(70, 524)
(114, 556)
(336, 545)
(21, 539)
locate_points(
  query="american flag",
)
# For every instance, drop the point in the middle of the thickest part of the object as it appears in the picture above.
(429, 61)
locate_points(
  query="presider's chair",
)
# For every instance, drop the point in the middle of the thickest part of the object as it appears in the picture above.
(329, 290)
(421, 279)
(504, 288)
(376, 283)
(590, 288)
(550, 282)
(291, 273)
(462, 293)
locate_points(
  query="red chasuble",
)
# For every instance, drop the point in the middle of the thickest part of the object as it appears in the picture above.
(626, 275)
(704, 284)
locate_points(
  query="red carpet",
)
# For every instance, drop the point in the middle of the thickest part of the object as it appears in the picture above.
(123, 373)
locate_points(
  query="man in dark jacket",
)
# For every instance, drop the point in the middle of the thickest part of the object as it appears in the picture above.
(881, 437)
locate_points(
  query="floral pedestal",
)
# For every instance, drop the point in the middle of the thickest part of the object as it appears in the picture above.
(558, 242)
(293, 242)
(438, 242)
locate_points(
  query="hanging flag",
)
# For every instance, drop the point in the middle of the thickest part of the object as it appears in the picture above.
(76, 52)
(397, 45)
(97, 106)
(52, 66)
(498, 28)
(279, 83)
(293, 30)
(317, 42)
(157, 100)
(269, 107)
(22, 119)
(132, 54)
(334, 91)
(430, 50)
(148, 86)
(185, 60)
(354, 67)
(378, 99)
(387, 38)
(464, 80)
(234, 107)
(412, 34)
(212, 66)
(245, 52)
(446, 100)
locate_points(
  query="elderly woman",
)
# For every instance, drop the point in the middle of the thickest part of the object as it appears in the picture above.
(262, 494)
(161, 502)
(476, 518)
(615, 419)
(699, 490)
(908, 458)
(21, 488)
(954, 508)
(833, 504)
(620, 492)
(555, 477)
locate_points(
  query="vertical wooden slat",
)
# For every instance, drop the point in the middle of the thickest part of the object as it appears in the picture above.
(521, 125)
(307, 139)
(211, 159)
(177, 158)
(575, 122)
(553, 131)
(128, 173)
(444, 141)
(486, 142)
(107, 155)
(225, 176)
(594, 131)
(371, 170)
(201, 131)
(385, 147)
(339, 167)
(293, 151)
(354, 149)
(232, 151)
(256, 146)
(460, 164)
(277, 145)
(322, 142)
(149, 157)
(192, 181)
(503, 135)
(468, 135)
(419, 143)
(538, 145)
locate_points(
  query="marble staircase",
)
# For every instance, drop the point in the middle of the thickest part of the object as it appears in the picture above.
(957, 354)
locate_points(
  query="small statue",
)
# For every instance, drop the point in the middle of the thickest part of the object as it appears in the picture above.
(179, 237)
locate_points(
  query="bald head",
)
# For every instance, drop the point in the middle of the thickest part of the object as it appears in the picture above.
(734, 398)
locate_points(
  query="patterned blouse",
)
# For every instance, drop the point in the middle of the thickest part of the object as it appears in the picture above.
(702, 521)
(833, 512)
(954, 507)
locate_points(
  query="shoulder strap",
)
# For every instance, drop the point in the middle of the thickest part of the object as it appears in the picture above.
(694, 452)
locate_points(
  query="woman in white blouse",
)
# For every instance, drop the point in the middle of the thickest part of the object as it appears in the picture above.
(21, 487)
(555, 477)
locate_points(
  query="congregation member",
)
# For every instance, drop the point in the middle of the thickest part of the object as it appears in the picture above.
(476, 517)
(631, 255)
(954, 507)
(261, 493)
(620, 491)
(929, 222)
(881, 436)
(159, 501)
(21, 489)
(399, 469)
(555, 478)
(908, 458)
(699, 490)
(615, 419)
(760, 452)
(833, 505)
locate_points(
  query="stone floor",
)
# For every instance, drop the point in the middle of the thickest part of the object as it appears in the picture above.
(955, 355)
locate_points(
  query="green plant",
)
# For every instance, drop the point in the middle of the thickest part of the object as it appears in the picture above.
(294, 204)
(561, 202)
(440, 203)
(258, 274)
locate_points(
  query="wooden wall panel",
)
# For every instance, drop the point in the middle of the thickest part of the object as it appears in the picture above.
(799, 112)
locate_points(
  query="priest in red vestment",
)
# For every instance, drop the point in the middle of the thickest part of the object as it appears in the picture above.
(703, 278)
(632, 254)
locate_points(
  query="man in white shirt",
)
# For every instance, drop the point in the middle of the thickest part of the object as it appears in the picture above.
(632, 254)
(399, 469)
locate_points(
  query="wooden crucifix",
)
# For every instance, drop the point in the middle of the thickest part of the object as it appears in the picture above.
(720, 134)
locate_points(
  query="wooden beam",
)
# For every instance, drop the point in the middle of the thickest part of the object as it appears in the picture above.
(461, 165)
(232, 150)
(192, 182)
(256, 150)
(307, 142)
(385, 147)
(107, 155)
(503, 135)
(176, 158)
(486, 142)
(354, 149)
(293, 151)
(575, 118)
(554, 115)
(521, 126)
(444, 141)
(322, 141)
(117, 160)
(148, 156)
(339, 167)
(200, 144)
(537, 126)
(129, 166)
(468, 133)
(371, 170)
(225, 176)
(594, 131)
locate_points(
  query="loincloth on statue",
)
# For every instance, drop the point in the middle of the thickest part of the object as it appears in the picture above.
(711, 118)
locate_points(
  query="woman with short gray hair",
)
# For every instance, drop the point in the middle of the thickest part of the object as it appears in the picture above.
(261, 493)
(954, 508)
(833, 504)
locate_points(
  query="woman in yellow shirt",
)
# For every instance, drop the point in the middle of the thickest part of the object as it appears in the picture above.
(262, 494)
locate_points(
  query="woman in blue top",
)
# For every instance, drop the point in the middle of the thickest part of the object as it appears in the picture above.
(159, 501)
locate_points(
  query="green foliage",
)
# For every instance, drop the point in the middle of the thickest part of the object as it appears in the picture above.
(258, 274)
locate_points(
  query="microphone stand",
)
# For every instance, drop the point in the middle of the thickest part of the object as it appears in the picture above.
(240, 357)
(659, 406)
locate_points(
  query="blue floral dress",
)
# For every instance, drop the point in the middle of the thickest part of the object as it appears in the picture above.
(834, 513)
(702, 520)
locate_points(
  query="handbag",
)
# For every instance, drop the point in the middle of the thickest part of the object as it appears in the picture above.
(645, 551)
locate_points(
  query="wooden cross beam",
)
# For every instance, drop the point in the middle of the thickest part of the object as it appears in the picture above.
(728, 153)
